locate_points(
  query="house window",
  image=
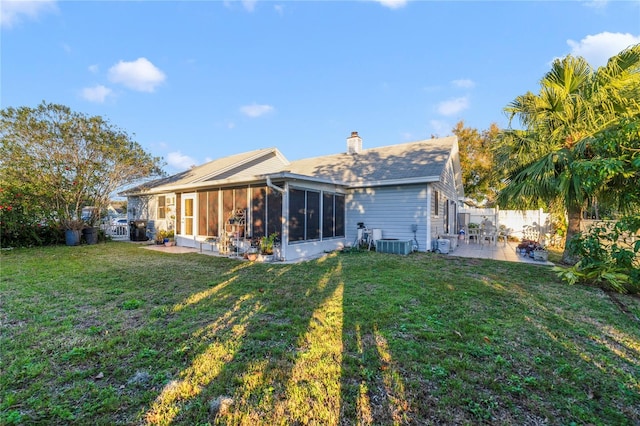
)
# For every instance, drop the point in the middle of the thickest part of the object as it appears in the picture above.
(297, 214)
(202, 213)
(266, 212)
(304, 215)
(212, 214)
(332, 215)
(258, 211)
(313, 216)
(274, 212)
(436, 202)
(339, 215)
(307, 217)
(233, 200)
(162, 207)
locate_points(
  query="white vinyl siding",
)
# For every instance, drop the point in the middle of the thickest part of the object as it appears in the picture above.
(392, 209)
(448, 201)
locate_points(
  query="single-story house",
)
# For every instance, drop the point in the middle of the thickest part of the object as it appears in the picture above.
(407, 192)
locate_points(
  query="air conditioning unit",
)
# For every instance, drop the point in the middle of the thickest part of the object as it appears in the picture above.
(393, 246)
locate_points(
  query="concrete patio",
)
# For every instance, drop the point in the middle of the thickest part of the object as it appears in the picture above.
(498, 251)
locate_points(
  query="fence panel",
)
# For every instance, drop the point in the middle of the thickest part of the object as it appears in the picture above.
(117, 232)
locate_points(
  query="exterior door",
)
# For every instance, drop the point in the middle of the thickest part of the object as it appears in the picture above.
(188, 220)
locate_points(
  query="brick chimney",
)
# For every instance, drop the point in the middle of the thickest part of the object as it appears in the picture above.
(354, 143)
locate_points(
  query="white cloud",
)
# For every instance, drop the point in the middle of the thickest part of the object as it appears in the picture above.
(279, 8)
(596, 4)
(393, 4)
(248, 5)
(179, 161)
(598, 48)
(453, 106)
(464, 83)
(255, 110)
(12, 12)
(96, 94)
(94, 68)
(140, 75)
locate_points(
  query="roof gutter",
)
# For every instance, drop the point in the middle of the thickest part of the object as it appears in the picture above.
(393, 182)
(162, 189)
(272, 186)
(305, 178)
(283, 175)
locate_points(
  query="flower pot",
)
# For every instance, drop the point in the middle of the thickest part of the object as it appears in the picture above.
(90, 235)
(540, 255)
(72, 237)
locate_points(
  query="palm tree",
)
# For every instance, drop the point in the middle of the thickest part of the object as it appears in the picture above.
(574, 105)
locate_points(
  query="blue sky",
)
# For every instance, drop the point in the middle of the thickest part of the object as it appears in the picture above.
(193, 81)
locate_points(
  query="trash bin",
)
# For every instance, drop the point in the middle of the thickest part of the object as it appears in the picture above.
(138, 230)
(90, 235)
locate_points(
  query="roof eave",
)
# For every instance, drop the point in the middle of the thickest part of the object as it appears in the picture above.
(290, 177)
(187, 186)
(306, 178)
(394, 182)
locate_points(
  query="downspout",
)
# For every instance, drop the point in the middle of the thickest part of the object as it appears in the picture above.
(284, 240)
(429, 197)
(272, 186)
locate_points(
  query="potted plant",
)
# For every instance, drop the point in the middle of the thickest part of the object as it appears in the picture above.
(160, 236)
(91, 218)
(540, 253)
(251, 254)
(169, 238)
(72, 231)
(266, 246)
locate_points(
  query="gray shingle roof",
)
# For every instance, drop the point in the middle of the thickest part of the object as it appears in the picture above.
(422, 160)
(212, 170)
(408, 161)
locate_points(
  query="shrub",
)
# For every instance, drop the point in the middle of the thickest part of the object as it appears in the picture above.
(22, 223)
(609, 257)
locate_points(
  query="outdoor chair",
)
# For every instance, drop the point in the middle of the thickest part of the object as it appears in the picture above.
(489, 234)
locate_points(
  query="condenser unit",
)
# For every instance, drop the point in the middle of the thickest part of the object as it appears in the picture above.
(393, 246)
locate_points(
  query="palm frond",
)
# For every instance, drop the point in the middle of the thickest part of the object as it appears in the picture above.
(569, 73)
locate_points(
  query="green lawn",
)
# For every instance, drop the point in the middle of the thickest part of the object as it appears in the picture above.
(115, 334)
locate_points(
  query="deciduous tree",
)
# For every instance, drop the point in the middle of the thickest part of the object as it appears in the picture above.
(476, 161)
(61, 161)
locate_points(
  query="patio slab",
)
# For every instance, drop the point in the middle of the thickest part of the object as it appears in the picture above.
(170, 249)
(499, 251)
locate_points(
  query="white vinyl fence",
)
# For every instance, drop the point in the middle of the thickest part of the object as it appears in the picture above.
(521, 224)
(117, 232)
